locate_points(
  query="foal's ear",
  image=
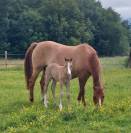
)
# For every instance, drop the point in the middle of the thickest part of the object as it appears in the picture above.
(70, 59)
(65, 59)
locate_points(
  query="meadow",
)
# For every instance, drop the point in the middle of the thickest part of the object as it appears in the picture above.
(17, 114)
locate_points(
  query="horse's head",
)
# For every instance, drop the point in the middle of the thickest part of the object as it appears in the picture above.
(68, 65)
(98, 96)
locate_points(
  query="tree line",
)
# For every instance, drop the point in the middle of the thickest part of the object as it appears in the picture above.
(65, 21)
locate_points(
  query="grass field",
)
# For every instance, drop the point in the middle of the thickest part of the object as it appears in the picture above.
(18, 115)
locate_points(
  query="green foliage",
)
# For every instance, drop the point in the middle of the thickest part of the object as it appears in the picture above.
(17, 114)
(66, 21)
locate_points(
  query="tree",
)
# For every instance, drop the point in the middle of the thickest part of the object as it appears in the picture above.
(4, 24)
(66, 21)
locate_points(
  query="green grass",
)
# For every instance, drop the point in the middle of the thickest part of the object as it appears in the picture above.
(18, 115)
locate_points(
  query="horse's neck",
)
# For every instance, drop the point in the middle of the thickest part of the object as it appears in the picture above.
(65, 71)
(97, 80)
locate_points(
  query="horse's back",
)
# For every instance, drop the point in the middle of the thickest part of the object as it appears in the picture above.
(50, 47)
(54, 66)
(85, 49)
(48, 52)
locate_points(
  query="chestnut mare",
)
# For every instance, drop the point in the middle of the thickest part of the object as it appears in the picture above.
(85, 64)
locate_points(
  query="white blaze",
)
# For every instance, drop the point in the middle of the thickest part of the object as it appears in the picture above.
(69, 70)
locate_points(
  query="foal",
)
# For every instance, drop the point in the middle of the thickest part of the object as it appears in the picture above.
(61, 74)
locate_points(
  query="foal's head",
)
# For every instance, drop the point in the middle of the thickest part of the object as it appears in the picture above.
(98, 96)
(68, 65)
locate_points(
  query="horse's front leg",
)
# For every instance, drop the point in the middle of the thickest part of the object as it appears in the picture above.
(53, 86)
(82, 82)
(68, 92)
(61, 95)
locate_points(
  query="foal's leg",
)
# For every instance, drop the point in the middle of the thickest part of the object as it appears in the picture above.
(68, 92)
(47, 80)
(42, 83)
(53, 86)
(61, 95)
(32, 83)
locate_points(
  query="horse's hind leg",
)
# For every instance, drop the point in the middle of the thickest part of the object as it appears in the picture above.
(32, 83)
(82, 82)
(42, 83)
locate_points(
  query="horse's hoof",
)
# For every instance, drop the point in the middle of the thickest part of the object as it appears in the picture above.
(79, 102)
(60, 107)
(42, 99)
(79, 98)
(54, 105)
(84, 104)
(60, 110)
(69, 108)
(46, 106)
(31, 100)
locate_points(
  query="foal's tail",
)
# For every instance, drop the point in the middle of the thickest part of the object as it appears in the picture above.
(28, 63)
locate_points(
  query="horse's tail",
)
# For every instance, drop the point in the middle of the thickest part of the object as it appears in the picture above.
(28, 63)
